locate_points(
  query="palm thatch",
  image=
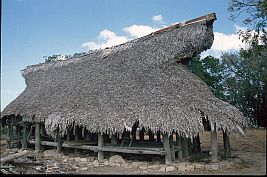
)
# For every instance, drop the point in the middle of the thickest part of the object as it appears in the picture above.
(141, 80)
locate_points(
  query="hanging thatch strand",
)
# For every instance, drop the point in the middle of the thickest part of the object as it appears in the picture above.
(140, 80)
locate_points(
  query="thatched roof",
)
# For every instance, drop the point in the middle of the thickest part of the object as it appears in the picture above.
(140, 80)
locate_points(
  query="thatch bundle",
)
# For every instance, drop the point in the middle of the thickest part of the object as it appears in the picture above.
(140, 80)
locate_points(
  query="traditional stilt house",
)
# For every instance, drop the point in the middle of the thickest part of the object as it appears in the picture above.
(129, 90)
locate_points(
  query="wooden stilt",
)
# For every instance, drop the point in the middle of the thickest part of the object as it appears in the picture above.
(226, 143)
(179, 144)
(214, 147)
(24, 136)
(18, 131)
(158, 136)
(9, 134)
(172, 147)
(166, 144)
(185, 148)
(37, 137)
(68, 134)
(77, 137)
(42, 129)
(189, 146)
(100, 144)
(114, 140)
(59, 142)
(88, 136)
(151, 135)
(196, 144)
(142, 134)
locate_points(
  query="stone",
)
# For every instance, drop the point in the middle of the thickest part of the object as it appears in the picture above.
(83, 169)
(77, 159)
(106, 162)
(83, 160)
(190, 167)
(143, 167)
(199, 166)
(65, 160)
(50, 153)
(237, 161)
(136, 164)
(162, 168)
(116, 159)
(170, 168)
(211, 166)
(125, 165)
(226, 165)
(95, 163)
(153, 167)
(181, 166)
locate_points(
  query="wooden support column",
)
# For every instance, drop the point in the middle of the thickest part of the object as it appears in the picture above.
(9, 135)
(100, 140)
(172, 147)
(18, 131)
(59, 142)
(196, 144)
(87, 135)
(166, 144)
(226, 143)
(158, 136)
(189, 146)
(114, 140)
(151, 135)
(37, 137)
(24, 136)
(68, 134)
(185, 148)
(214, 147)
(142, 134)
(179, 144)
(42, 129)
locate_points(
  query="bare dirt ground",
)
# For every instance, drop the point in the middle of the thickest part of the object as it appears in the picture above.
(249, 151)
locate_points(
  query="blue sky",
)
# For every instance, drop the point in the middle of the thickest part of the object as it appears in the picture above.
(32, 29)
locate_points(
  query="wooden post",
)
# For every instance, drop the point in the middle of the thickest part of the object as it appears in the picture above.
(42, 128)
(151, 135)
(214, 147)
(166, 144)
(59, 142)
(100, 144)
(37, 137)
(179, 144)
(68, 134)
(158, 136)
(114, 140)
(185, 147)
(76, 137)
(189, 146)
(142, 134)
(172, 147)
(87, 135)
(18, 132)
(24, 136)
(226, 143)
(9, 135)
(196, 144)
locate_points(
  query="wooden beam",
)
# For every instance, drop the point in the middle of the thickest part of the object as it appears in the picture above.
(214, 147)
(172, 147)
(226, 143)
(37, 136)
(100, 144)
(13, 156)
(166, 144)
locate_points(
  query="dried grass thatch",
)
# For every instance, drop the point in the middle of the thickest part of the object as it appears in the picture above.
(140, 80)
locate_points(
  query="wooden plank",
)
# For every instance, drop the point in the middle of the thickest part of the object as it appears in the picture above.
(131, 150)
(13, 156)
(214, 147)
(166, 144)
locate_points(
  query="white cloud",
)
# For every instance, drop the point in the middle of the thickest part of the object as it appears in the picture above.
(158, 19)
(225, 43)
(139, 30)
(106, 38)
